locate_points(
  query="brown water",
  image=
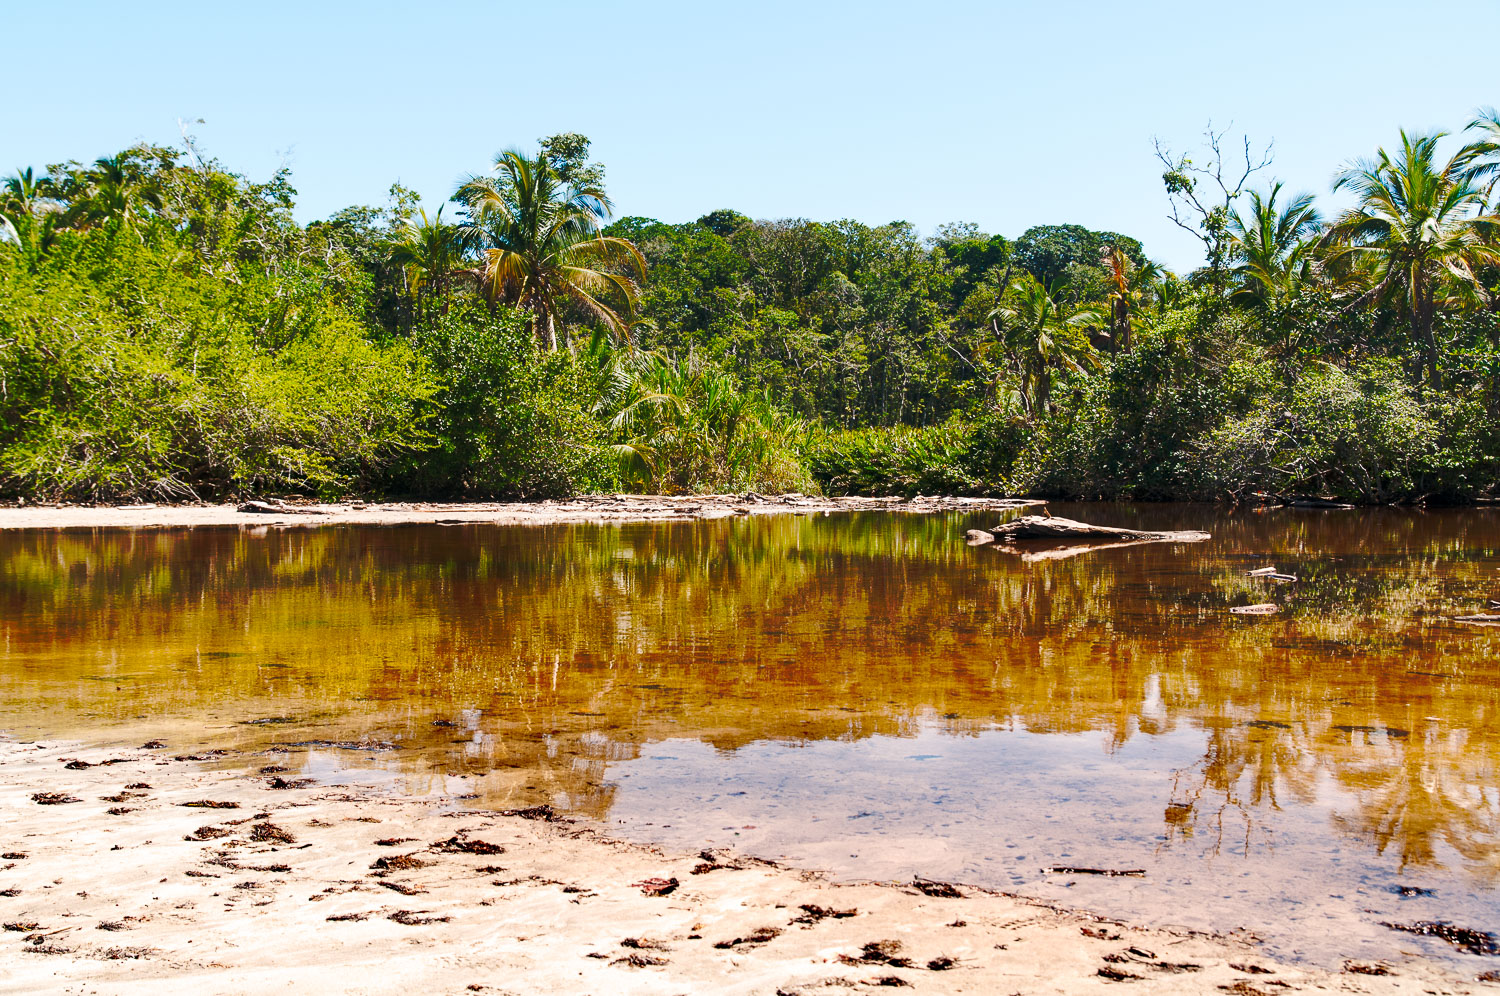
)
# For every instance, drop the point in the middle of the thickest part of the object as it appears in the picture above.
(859, 692)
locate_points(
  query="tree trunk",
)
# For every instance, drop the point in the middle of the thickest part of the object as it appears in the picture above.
(1423, 322)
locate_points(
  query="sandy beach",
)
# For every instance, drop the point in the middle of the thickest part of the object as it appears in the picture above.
(143, 870)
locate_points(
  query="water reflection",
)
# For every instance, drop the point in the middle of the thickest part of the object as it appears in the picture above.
(554, 656)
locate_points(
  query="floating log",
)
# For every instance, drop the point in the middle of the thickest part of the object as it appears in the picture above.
(1282, 577)
(1039, 527)
(1482, 618)
(978, 537)
(1261, 572)
(1260, 609)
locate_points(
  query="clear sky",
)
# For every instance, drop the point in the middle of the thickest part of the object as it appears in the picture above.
(1004, 114)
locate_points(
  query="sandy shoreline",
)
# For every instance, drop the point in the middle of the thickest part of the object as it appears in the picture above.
(595, 508)
(132, 889)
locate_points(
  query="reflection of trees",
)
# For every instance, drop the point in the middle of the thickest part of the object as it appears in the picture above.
(1420, 789)
(569, 642)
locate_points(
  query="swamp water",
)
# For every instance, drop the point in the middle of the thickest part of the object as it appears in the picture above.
(860, 692)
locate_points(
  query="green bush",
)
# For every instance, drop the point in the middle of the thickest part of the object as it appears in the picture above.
(508, 420)
(1361, 436)
(957, 457)
(168, 394)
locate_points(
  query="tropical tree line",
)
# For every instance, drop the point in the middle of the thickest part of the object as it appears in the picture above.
(167, 329)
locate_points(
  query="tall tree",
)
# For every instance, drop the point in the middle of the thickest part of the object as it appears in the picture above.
(430, 254)
(1039, 336)
(544, 246)
(115, 191)
(1420, 224)
(1126, 286)
(1271, 246)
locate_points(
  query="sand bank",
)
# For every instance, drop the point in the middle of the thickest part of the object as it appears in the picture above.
(595, 508)
(147, 871)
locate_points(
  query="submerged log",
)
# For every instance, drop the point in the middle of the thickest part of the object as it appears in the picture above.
(978, 537)
(1039, 527)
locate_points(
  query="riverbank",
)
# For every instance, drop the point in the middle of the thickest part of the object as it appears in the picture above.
(589, 508)
(143, 870)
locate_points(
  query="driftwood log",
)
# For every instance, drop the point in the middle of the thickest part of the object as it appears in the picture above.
(1041, 527)
(278, 508)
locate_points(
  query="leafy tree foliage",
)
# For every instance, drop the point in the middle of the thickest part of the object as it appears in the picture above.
(168, 330)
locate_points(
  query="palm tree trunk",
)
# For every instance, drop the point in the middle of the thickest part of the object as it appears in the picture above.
(1423, 322)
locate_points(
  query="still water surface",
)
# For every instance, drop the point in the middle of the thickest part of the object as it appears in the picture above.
(858, 692)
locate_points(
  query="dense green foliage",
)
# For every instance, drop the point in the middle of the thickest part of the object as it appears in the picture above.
(168, 330)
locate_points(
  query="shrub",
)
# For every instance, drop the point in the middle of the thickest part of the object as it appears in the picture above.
(508, 420)
(957, 457)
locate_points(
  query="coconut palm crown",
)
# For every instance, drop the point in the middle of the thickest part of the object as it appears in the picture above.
(544, 246)
(1420, 228)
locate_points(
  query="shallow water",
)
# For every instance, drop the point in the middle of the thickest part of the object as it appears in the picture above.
(858, 692)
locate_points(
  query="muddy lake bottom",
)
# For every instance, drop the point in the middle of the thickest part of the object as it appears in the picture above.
(858, 692)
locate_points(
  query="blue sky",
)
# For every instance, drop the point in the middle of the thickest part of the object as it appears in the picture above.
(1004, 114)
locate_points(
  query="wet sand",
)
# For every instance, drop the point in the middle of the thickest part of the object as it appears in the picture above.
(594, 508)
(119, 883)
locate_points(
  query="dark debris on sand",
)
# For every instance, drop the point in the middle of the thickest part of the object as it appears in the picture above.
(1477, 942)
(760, 935)
(270, 833)
(457, 845)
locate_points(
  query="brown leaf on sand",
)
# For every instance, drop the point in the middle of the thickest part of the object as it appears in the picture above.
(270, 833)
(209, 804)
(760, 935)
(208, 833)
(878, 953)
(812, 913)
(637, 960)
(456, 845)
(53, 798)
(416, 918)
(657, 886)
(937, 890)
(402, 887)
(400, 862)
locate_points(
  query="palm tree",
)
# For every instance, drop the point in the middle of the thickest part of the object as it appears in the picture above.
(114, 192)
(28, 214)
(1420, 224)
(1271, 246)
(1126, 286)
(544, 246)
(430, 254)
(1038, 336)
(1487, 148)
